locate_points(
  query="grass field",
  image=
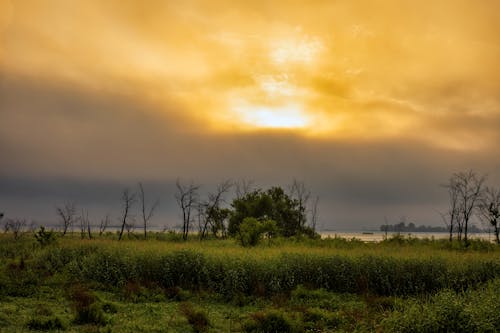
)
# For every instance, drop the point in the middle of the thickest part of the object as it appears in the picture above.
(295, 285)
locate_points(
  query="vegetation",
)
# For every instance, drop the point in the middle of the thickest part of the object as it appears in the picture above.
(295, 284)
(273, 204)
(226, 278)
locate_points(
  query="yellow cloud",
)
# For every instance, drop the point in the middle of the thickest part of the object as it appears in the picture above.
(341, 70)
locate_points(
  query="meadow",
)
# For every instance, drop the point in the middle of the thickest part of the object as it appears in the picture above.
(164, 284)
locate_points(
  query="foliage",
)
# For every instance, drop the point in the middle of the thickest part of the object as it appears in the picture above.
(308, 285)
(252, 230)
(45, 238)
(273, 204)
(448, 311)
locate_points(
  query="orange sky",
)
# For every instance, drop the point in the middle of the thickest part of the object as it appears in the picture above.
(260, 89)
(355, 70)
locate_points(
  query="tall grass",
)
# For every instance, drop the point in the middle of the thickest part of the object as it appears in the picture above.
(233, 272)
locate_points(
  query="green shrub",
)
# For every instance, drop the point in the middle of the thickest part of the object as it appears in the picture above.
(45, 238)
(251, 230)
(448, 311)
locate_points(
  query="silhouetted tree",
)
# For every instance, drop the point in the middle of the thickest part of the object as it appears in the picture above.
(128, 200)
(187, 198)
(301, 194)
(453, 218)
(242, 187)
(146, 213)
(214, 214)
(489, 209)
(104, 224)
(67, 213)
(470, 190)
(314, 213)
(15, 226)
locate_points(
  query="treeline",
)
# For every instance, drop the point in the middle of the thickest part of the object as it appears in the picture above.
(252, 213)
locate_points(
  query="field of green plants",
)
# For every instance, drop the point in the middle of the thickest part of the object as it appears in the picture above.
(164, 284)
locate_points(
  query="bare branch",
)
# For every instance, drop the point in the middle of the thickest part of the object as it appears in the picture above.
(146, 213)
(128, 200)
(67, 213)
(212, 209)
(187, 198)
(243, 187)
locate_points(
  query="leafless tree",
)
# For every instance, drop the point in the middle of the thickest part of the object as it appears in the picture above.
(201, 215)
(15, 226)
(470, 190)
(1, 217)
(104, 224)
(489, 209)
(213, 211)
(314, 213)
(130, 226)
(453, 218)
(301, 193)
(146, 213)
(187, 198)
(128, 200)
(85, 227)
(243, 187)
(67, 213)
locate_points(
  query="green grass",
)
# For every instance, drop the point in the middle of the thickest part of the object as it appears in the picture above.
(296, 285)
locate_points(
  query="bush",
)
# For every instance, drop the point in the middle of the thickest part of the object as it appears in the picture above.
(447, 311)
(251, 230)
(45, 238)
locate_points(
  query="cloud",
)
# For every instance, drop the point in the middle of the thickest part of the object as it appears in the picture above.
(399, 95)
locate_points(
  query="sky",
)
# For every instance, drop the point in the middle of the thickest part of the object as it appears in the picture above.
(373, 104)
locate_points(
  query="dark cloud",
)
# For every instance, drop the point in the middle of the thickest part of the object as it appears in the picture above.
(62, 143)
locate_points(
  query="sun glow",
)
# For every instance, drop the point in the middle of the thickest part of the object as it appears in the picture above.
(288, 116)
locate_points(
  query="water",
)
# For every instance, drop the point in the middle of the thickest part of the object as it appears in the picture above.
(377, 236)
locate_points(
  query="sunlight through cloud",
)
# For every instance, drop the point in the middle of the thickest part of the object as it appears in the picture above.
(288, 116)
